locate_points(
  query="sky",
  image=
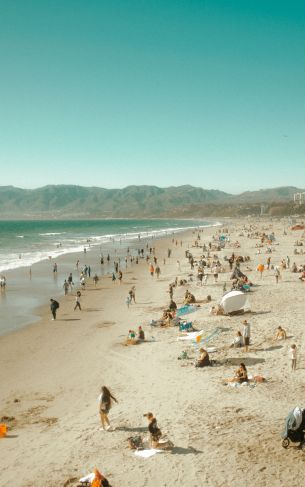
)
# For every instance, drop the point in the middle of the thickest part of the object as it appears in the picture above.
(112, 93)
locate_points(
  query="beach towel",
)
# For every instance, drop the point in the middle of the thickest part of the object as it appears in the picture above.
(191, 336)
(202, 340)
(184, 310)
(147, 453)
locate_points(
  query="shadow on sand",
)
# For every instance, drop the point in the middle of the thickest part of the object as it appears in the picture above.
(179, 450)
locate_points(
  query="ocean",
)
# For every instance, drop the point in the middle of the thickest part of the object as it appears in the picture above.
(28, 250)
(24, 243)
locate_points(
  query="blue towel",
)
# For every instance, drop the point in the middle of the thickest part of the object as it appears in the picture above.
(188, 308)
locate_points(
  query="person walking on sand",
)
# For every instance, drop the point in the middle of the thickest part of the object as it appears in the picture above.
(54, 307)
(246, 335)
(151, 270)
(105, 403)
(120, 277)
(277, 274)
(132, 294)
(128, 300)
(66, 287)
(77, 301)
(293, 355)
(158, 271)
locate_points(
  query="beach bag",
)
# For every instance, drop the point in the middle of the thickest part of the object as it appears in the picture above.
(135, 442)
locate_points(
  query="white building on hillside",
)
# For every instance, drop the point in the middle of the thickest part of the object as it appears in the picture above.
(299, 198)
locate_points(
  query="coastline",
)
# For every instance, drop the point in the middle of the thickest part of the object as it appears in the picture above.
(27, 291)
(55, 370)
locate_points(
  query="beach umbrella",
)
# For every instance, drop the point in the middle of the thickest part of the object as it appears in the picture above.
(233, 301)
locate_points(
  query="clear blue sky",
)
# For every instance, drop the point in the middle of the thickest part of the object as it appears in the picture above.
(209, 93)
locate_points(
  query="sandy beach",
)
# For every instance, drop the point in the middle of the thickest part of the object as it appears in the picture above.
(51, 373)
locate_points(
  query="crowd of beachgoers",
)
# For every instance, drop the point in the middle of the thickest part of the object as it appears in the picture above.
(224, 303)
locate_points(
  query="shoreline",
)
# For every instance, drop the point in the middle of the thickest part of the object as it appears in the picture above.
(55, 370)
(21, 292)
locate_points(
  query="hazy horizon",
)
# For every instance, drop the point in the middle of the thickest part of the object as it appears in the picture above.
(162, 93)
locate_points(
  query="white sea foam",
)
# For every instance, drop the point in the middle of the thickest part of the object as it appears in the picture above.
(74, 245)
(49, 234)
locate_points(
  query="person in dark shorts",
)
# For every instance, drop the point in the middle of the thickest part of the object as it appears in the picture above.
(105, 404)
(54, 307)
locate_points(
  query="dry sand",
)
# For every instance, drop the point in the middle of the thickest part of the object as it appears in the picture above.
(51, 373)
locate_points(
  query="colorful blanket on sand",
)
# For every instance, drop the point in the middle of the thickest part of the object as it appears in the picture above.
(186, 309)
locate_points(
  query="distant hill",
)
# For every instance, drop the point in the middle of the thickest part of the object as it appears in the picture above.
(67, 201)
(282, 194)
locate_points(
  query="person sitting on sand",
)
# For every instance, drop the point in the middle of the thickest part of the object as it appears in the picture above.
(154, 431)
(204, 359)
(238, 340)
(99, 480)
(302, 276)
(240, 375)
(216, 310)
(189, 298)
(172, 305)
(131, 335)
(141, 335)
(294, 268)
(280, 334)
(105, 404)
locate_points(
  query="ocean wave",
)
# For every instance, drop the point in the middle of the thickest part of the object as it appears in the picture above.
(50, 234)
(27, 259)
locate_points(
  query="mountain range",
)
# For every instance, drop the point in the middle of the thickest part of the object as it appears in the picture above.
(68, 201)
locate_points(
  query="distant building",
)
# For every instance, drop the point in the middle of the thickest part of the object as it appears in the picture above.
(299, 198)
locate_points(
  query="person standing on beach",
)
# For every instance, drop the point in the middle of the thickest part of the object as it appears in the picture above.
(246, 335)
(66, 287)
(132, 294)
(54, 307)
(277, 274)
(105, 403)
(70, 280)
(120, 277)
(77, 301)
(151, 270)
(158, 271)
(293, 355)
